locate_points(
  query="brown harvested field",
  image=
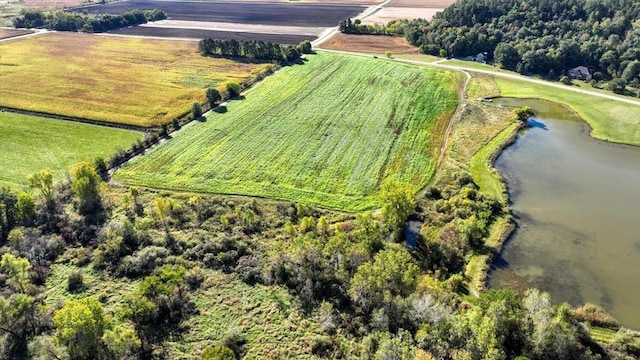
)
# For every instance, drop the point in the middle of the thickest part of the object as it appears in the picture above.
(387, 14)
(197, 34)
(144, 82)
(438, 4)
(262, 13)
(52, 4)
(9, 33)
(369, 43)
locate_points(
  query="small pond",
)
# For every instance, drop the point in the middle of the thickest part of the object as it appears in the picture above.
(577, 205)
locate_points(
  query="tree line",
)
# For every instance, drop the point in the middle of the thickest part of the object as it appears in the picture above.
(543, 37)
(82, 21)
(254, 49)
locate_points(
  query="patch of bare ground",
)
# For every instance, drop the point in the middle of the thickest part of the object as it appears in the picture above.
(392, 13)
(370, 43)
(438, 4)
(53, 4)
(9, 33)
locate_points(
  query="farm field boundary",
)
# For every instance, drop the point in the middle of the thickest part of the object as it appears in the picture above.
(326, 132)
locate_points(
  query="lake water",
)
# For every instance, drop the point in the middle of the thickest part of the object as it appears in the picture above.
(577, 206)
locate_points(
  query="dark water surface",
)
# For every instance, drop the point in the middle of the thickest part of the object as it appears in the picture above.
(577, 204)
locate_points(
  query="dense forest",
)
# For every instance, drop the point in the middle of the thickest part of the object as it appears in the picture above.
(369, 295)
(543, 37)
(82, 21)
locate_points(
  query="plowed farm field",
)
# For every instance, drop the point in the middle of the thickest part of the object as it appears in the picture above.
(370, 43)
(264, 13)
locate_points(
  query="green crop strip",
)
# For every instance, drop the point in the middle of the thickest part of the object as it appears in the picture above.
(326, 133)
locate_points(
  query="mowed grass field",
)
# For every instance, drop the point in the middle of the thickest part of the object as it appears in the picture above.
(609, 119)
(29, 144)
(134, 81)
(326, 133)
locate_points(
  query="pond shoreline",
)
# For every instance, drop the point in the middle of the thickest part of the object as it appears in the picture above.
(575, 207)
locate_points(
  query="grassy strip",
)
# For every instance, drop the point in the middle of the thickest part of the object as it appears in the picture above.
(268, 316)
(481, 168)
(609, 119)
(29, 144)
(327, 133)
(144, 82)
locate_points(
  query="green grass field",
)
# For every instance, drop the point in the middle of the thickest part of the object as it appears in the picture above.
(609, 119)
(326, 132)
(29, 144)
(143, 82)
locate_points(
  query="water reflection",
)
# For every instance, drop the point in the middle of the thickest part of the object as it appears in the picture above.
(577, 205)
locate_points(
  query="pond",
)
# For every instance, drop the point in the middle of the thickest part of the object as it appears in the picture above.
(577, 205)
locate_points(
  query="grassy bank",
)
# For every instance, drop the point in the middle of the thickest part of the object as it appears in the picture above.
(609, 119)
(143, 82)
(326, 133)
(29, 144)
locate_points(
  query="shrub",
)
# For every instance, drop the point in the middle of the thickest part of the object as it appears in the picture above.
(596, 315)
(233, 90)
(196, 110)
(75, 281)
(194, 278)
(218, 353)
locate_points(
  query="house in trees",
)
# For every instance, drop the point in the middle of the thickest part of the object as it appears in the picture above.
(580, 73)
(481, 57)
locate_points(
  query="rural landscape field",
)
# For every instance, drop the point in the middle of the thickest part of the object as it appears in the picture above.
(319, 179)
(118, 80)
(30, 144)
(320, 141)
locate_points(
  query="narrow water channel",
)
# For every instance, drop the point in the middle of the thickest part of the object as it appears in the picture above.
(577, 204)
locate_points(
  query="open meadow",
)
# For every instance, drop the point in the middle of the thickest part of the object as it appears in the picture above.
(610, 120)
(326, 133)
(29, 144)
(143, 82)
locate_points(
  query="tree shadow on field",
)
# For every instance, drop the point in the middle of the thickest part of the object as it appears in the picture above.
(220, 109)
(239, 59)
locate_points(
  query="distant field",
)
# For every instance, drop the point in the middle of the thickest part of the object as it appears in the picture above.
(612, 120)
(197, 34)
(326, 132)
(369, 43)
(387, 14)
(264, 13)
(29, 144)
(422, 3)
(143, 82)
(9, 33)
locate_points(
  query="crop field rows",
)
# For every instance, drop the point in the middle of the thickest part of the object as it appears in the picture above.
(326, 132)
(143, 82)
(275, 19)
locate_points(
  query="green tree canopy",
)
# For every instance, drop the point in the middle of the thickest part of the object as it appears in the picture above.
(80, 326)
(86, 186)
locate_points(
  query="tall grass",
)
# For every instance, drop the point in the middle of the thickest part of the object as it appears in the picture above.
(326, 132)
(29, 144)
(143, 82)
